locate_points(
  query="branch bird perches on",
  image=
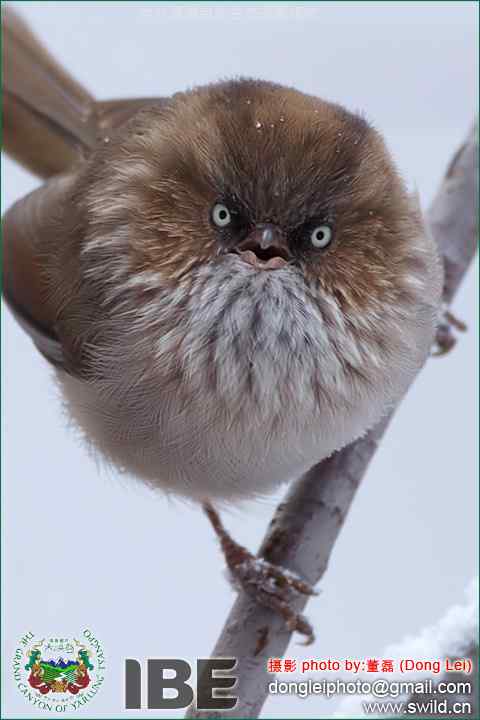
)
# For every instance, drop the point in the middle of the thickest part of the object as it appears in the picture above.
(305, 526)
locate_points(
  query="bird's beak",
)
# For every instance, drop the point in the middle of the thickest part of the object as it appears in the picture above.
(265, 247)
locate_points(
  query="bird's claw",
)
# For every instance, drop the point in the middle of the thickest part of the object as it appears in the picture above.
(270, 585)
(274, 587)
(445, 339)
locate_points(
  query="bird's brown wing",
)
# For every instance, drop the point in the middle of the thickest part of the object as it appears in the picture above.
(50, 125)
(112, 114)
(29, 226)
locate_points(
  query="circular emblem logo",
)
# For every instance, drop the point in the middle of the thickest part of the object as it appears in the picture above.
(57, 673)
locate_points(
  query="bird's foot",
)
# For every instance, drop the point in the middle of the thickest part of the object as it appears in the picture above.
(274, 587)
(445, 339)
(270, 585)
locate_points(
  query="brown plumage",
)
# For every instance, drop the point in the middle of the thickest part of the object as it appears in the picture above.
(232, 283)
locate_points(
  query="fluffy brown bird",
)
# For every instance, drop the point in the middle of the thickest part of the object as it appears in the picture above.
(232, 283)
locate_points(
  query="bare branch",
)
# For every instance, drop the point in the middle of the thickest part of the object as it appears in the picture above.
(305, 526)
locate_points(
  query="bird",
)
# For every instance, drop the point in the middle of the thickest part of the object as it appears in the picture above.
(230, 283)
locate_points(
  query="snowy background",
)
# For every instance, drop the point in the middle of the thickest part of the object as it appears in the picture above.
(148, 580)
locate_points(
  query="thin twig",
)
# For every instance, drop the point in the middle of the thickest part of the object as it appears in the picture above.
(305, 526)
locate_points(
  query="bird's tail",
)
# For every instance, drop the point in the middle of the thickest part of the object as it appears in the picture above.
(48, 118)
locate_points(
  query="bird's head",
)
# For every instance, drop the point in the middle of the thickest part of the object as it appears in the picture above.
(265, 174)
(258, 218)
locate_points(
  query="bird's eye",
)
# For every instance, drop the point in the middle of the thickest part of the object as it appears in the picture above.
(321, 236)
(221, 216)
